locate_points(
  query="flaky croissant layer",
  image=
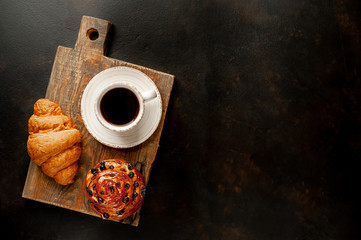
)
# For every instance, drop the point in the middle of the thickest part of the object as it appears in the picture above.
(54, 142)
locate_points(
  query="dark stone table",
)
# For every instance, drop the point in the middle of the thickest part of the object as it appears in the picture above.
(263, 133)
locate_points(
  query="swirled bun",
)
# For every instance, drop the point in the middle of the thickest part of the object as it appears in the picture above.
(115, 189)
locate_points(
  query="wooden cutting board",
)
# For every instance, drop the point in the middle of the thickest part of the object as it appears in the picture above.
(72, 70)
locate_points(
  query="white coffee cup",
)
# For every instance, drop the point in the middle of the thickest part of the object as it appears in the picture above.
(120, 106)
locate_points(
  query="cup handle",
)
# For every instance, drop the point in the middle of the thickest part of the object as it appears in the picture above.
(149, 95)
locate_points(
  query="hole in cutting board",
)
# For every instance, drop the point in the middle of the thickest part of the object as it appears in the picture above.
(92, 34)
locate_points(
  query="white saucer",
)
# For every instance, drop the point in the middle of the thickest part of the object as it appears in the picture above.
(147, 125)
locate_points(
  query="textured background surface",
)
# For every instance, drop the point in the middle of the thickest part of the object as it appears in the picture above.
(263, 130)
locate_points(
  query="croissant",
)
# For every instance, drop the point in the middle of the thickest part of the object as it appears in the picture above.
(115, 189)
(53, 142)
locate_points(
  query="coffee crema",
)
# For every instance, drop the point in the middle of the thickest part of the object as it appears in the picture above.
(119, 106)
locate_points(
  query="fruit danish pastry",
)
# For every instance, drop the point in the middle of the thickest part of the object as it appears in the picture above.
(53, 142)
(115, 189)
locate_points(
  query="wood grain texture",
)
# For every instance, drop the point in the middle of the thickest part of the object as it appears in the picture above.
(71, 72)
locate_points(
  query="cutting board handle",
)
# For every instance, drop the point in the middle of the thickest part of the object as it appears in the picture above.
(92, 35)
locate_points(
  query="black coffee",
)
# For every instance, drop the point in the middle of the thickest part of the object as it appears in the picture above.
(119, 106)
